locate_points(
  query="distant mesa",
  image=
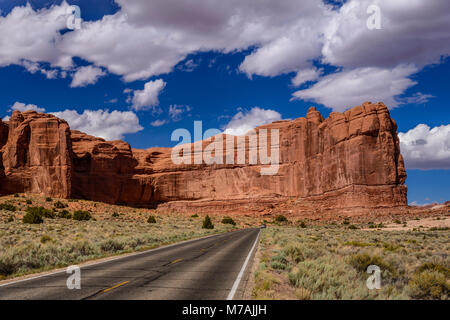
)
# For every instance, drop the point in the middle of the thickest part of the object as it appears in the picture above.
(349, 160)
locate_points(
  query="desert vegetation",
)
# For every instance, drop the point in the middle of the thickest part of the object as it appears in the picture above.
(58, 233)
(330, 262)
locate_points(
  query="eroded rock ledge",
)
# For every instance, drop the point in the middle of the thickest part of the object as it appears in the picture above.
(350, 159)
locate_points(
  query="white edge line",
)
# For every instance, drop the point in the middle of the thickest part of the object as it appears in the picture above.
(241, 273)
(118, 258)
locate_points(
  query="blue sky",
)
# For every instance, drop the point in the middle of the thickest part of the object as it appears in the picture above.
(219, 76)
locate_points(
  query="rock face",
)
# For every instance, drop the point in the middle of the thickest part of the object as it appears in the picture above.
(37, 155)
(350, 159)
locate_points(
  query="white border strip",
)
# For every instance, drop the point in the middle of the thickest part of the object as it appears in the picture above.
(241, 273)
(87, 264)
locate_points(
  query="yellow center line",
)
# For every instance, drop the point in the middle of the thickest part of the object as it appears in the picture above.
(116, 286)
(176, 261)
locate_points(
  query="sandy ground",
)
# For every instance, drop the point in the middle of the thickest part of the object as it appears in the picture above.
(425, 223)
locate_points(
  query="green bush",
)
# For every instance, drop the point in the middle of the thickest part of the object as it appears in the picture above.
(352, 227)
(207, 223)
(194, 216)
(228, 220)
(11, 219)
(81, 215)
(302, 224)
(429, 285)
(361, 261)
(281, 218)
(7, 207)
(151, 219)
(16, 195)
(115, 215)
(64, 214)
(293, 253)
(431, 266)
(60, 205)
(28, 201)
(33, 216)
(111, 246)
(279, 261)
(48, 199)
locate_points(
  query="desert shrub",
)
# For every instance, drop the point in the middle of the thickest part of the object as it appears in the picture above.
(45, 213)
(60, 205)
(48, 199)
(151, 219)
(397, 221)
(111, 246)
(352, 227)
(16, 195)
(277, 265)
(281, 218)
(81, 215)
(279, 261)
(7, 266)
(11, 219)
(115, 215)
(390, 246)
(35, 215)
(7, 207)
(228, 220)
(431, 266)
(64, 214)
(28, 201)
(439, 228)
(293, 253)
(361, 261)
(207, 223)
(46, 238)
(323, 278)
(81, 249)
(302, 224)
(194, 216)
(429, 285)
(32, 218)
(358, 244)
(346, 222)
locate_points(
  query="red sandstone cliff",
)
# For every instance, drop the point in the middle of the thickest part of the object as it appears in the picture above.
(36, 157)
(350, 159)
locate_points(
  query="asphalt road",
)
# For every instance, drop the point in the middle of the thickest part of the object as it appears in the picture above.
(202, 269)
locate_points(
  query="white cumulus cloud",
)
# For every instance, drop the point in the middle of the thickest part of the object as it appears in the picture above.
(19, 106)
(149, 96)
(426, 148)
(306, 75)
(243, 121)
(102, 123)
(86, 75)
(349, 88)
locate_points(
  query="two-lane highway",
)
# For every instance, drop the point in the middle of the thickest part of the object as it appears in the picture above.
(207, 268)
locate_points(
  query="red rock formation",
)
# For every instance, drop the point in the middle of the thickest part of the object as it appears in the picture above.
(36, 157)
(350, 159)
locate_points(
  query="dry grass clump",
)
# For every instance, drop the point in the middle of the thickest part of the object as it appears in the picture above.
(330, 262)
